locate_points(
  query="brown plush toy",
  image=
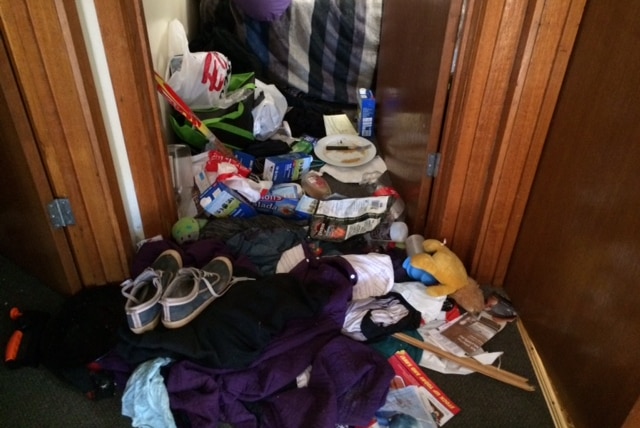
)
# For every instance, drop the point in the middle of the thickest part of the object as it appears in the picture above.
(470, 297)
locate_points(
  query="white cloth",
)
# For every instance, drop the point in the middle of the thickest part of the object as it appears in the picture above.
(145, 399)
(290, 259)
(416, 293)
(374, 273)
(384, 312)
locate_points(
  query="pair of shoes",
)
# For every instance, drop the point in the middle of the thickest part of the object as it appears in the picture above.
(144, 292)
(178, 294)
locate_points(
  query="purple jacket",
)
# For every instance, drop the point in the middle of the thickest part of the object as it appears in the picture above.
(348, 381)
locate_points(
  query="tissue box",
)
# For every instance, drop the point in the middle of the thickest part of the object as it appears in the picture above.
(221, 201)
(366, 112)
(281, 207)
(287, 167)
(283, 201)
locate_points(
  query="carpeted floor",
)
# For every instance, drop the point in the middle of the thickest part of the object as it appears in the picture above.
(33, 397)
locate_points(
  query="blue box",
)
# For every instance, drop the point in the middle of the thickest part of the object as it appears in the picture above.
(220, 201)
(245, 159)
(286, 168)
(366, 112)
(281, 207)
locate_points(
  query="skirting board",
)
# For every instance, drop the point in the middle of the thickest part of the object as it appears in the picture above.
(560, 418)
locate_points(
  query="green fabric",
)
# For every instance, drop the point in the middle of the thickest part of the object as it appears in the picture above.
(390, 345)
(233, 125)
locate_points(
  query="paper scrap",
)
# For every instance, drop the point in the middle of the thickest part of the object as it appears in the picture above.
(338, 124)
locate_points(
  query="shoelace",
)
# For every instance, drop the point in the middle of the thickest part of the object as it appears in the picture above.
(148, 274)
(198, 274)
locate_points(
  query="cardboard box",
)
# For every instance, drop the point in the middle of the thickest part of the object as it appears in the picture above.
(245, 159)
(220, 201)
(283, 200)
(366, 112)
(281, 207)
(286, 168)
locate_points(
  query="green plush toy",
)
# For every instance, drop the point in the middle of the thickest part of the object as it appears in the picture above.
(443, 265)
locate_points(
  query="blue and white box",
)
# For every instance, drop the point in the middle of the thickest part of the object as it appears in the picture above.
(286, 168)
(366, 112)
(221, 201)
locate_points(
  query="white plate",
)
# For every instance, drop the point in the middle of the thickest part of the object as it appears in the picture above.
(365, 152)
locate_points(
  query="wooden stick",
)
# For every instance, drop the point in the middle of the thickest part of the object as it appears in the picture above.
(487, 370)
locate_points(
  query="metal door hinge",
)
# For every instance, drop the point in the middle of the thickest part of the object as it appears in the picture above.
(433, 164)
(60, 213)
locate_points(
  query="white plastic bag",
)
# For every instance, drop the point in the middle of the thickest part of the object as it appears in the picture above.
(203, 77)
(269, 114)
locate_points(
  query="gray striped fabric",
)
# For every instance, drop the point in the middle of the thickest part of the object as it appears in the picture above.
(324, 48)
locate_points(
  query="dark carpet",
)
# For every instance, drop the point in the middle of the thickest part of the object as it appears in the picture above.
(34, 397)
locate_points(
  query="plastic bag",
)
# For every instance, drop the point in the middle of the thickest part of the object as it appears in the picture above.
(232, 125)
(269, 114)
(200, 78)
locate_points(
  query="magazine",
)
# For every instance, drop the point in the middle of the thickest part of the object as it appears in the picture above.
(470, 332)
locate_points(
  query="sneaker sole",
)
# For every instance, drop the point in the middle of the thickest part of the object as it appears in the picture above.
(145, 328)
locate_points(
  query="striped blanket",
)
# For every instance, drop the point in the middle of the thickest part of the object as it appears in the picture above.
(326, 49)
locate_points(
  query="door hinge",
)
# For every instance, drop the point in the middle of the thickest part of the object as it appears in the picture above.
(433, 164)
(60, 213)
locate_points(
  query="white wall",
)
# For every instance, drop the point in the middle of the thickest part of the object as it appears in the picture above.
(158, 13)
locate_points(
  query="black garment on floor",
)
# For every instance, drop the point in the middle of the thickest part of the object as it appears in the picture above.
(84, 329)
(234, 329)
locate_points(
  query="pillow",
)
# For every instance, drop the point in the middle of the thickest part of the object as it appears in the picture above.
(263, 10)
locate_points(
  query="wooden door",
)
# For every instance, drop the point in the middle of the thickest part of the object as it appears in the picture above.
(487, 119)
(27, 236)
(575, 267)
(55, 146)
(417, 44)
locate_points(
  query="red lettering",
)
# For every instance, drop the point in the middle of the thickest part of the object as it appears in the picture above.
(210, 72)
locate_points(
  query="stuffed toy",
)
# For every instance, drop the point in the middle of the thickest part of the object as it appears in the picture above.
(438, 267)
(470, 297)
(187, 229)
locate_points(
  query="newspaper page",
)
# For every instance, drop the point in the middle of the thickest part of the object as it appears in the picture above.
(470, 332)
